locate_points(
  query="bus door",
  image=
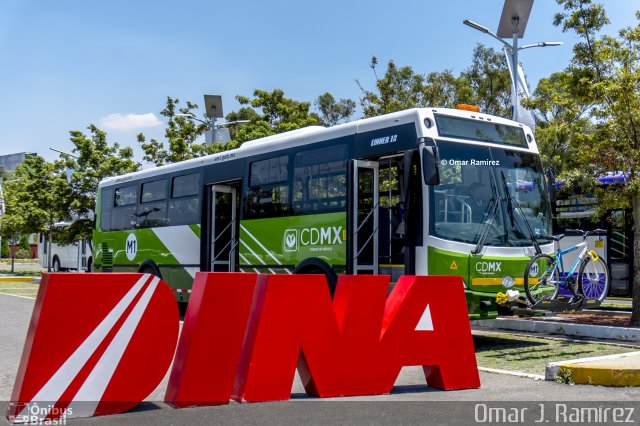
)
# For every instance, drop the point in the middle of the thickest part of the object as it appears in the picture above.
(223, 228)
(364, 227)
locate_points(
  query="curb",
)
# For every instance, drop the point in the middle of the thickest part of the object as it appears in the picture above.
(22, 279)
(608, 370)
(512, 373)
(582, 330)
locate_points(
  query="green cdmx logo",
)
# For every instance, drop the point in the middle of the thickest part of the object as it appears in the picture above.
(315, 236)
(291, 240)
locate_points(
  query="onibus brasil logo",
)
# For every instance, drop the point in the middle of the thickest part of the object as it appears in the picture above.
(323, 236)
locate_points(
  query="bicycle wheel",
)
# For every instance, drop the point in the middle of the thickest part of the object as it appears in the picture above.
(593, 279)
(541, 278)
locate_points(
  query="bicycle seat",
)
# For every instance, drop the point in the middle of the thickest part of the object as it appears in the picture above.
(557, 237)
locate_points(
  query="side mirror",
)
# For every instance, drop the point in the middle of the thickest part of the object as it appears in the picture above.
(430, 162)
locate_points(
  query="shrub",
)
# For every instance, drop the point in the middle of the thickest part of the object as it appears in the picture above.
(24, 243)
(565, 375)
(23, 253)
(4, 248)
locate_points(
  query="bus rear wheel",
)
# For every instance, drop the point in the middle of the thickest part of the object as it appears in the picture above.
(55, 264)
(320, 267)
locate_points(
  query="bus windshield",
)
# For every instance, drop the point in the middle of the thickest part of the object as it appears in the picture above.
(492, 193)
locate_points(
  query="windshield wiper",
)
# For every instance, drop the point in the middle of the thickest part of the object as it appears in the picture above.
(487, 225)
(493, 203)
(511, 202)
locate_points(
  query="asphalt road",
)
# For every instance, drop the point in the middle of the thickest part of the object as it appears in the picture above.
(411, 401)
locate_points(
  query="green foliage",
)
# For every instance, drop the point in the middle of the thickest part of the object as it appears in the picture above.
(332, 111)
(561, 122)
(401, 88)
(24, 243)
(181, 134)
(565, 376)
(486, 83)
(22, 253)
(95, 160)
(4, 248)
(36, 195)
(270, 113)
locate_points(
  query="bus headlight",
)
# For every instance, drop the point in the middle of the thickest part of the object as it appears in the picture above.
(508, 281)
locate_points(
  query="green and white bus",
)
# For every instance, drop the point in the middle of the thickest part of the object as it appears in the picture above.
(422, 191)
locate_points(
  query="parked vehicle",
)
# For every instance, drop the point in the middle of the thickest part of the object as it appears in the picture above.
(77, 256)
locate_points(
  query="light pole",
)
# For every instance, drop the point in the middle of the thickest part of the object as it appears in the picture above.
(513, 23)
(211, 124)
(63, 153)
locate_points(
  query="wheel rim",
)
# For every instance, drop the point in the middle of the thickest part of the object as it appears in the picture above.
(594, 280)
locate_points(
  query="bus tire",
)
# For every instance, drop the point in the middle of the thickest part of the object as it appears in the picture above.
(314, 265)
(150, 267)
(55, 264)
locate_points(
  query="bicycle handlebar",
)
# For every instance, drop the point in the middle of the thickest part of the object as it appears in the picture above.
(585, 234)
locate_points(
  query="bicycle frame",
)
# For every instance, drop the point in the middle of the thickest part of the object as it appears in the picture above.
(558, 262)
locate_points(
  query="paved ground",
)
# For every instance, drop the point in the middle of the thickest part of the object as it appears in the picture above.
(21, 267)
(410, 403)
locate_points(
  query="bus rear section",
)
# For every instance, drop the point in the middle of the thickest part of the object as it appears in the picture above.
(56, 257)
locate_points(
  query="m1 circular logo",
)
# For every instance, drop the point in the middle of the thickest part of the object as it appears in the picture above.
(534, 270)
(131, 246)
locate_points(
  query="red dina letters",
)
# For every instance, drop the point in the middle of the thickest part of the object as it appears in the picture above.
(243, 337)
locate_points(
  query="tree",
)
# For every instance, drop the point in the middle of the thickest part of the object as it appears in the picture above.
(4, 248)
(94, 160)
(182, 133)
(605, 74)
(36, 196)
(332, 111)
(561, 122)
(489, 82)
(486, 84)
(401, 88)
(270, 113)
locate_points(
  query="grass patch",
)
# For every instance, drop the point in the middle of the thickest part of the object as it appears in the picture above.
(7, 261)
(22, 273)
(532, 354)
(615, 307)
(19, 288)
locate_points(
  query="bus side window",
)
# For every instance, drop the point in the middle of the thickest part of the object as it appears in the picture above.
(184, 205)
(152, 211)
(268, 190)
(106, 206)
(123, 215)
(320, 178)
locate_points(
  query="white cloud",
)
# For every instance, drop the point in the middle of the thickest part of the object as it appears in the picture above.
(119, 121)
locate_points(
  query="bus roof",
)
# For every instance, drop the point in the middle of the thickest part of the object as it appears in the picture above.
(307, 135)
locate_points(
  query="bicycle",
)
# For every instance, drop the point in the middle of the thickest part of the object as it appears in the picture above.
(545, 274)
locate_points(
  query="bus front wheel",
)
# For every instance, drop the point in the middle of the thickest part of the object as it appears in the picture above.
(149, 267)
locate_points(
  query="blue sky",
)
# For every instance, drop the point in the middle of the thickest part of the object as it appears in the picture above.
(67, 64)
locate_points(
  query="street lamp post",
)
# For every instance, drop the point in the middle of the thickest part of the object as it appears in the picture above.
(513, 22)
(211, 124)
